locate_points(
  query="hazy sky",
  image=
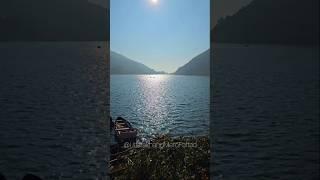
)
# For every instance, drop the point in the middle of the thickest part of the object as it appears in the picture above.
(163, 35)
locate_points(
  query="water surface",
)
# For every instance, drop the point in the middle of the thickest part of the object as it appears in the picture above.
(265, 112)
(162, 104)
(53, 110)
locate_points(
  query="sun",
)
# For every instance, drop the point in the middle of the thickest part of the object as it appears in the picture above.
(154, 1)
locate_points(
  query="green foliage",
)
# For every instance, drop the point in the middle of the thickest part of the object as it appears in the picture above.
(178, 162)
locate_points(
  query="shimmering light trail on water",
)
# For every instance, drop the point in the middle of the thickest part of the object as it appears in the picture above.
(162, 104)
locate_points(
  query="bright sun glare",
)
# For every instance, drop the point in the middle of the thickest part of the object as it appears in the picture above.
(154, 1)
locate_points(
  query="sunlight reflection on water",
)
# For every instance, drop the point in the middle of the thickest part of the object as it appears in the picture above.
(162, 104)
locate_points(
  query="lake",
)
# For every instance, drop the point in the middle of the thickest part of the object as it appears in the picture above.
(174, 105)
(54, 113)
(54, 110)
(265, 104)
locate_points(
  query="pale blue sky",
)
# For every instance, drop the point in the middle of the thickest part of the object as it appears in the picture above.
(163, 35)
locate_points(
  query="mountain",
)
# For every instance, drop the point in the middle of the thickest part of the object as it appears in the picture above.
(58, 20)
(199, 65)
(123, 65)
(274, 22)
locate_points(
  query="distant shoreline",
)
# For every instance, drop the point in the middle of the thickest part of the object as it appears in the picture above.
(164, 74)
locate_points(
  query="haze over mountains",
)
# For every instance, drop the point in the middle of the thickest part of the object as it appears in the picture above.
(263, 22)
(120, 64)
(199, 65)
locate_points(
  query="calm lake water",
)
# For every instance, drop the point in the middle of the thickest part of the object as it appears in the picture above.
(162, 104)
(53, 110)
(265, 120)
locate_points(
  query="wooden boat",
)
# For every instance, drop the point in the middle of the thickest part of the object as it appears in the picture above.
(124, 131)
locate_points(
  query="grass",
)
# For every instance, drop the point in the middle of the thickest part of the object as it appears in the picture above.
(168, 158)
